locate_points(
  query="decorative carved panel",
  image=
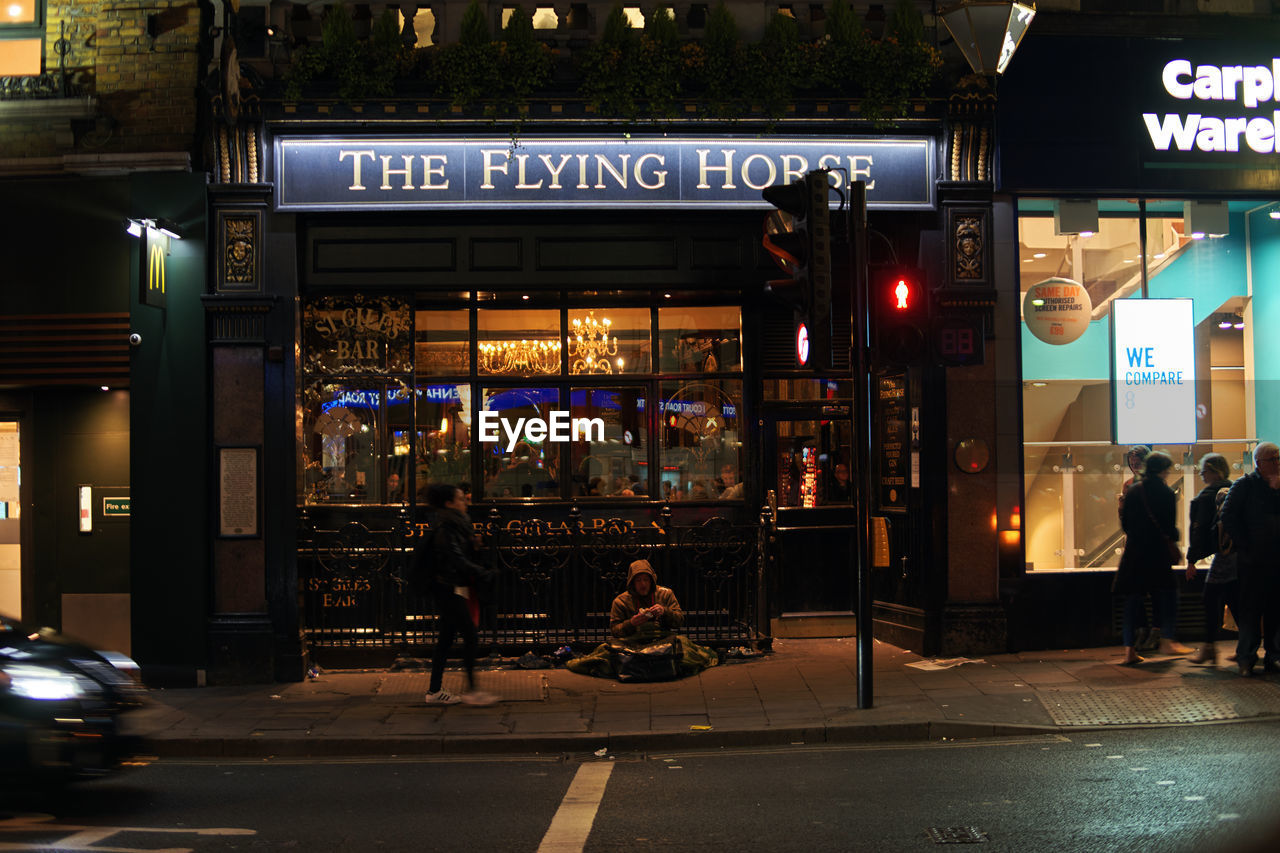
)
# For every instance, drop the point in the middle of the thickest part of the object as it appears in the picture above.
(239, 248)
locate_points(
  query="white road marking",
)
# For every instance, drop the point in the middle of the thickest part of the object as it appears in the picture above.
(87, 837)
(572, 822)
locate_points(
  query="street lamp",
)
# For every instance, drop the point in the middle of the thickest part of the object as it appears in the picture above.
(988, 31)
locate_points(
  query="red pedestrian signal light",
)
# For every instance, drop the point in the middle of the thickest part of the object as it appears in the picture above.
(900, 315)
(902, 296)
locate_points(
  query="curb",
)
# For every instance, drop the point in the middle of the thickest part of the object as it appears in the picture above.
(628, 742)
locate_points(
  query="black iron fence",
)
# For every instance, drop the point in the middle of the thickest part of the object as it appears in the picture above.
(555, 579)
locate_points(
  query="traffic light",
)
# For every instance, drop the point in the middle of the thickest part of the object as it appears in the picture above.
(798, 236)
(900, 314)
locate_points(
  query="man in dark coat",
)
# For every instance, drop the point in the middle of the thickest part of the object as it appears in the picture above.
(446, 563)
(1251, 517)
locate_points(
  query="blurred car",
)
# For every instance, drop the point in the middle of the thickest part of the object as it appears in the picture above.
(62, 706)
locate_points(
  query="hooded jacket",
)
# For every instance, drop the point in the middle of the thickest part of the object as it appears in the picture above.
(628, 604)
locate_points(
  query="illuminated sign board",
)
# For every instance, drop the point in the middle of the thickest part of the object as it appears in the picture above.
(1153, 371)
(1217, 88)
(1171, 116)
(405, 173)
(155, 254)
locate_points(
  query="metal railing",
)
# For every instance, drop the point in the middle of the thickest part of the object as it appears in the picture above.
(555, 580)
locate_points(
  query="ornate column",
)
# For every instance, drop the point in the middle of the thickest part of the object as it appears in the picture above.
(253, 629)
(973, 620)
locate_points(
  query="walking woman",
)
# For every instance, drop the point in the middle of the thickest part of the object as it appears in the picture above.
(1145, 566)
(1221, 586)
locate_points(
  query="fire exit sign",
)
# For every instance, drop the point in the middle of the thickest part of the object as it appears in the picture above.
(115, 506)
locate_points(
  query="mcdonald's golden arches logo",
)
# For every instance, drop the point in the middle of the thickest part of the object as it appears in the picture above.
(155, 249)
(155, 266)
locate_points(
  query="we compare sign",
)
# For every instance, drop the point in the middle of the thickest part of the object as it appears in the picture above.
(1153, 371)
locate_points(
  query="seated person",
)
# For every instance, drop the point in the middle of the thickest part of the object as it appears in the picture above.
(644, 602)
(643, 619)
(732, 490)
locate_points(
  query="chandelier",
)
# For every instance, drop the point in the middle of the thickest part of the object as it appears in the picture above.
(591, 347)
(520, 357)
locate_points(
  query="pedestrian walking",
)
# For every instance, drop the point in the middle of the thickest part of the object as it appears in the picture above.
(1150, 552)
(446, 559)
(1251, 518)
(1221, 584)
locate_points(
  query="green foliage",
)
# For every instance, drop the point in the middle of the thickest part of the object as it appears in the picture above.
(637, 75)
(722, 70)
(524, 63)
(362, 69)
(630, 73)
(906, 26)
(475, 27)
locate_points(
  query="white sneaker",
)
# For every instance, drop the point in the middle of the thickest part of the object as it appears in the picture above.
(479, 697)
(442, 697)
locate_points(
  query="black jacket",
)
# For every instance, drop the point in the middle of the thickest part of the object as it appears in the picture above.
(1203, 540)
(1145, 563)
(1251, 517)
(446, 556)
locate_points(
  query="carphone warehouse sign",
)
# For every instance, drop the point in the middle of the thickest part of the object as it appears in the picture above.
(1248, 93)
(405, 173)
(1153, 371)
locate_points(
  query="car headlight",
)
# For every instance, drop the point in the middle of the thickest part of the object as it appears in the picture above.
(41, 682)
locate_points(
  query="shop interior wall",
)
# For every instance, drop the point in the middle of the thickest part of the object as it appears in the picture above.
(169, 439)
(1265, 309)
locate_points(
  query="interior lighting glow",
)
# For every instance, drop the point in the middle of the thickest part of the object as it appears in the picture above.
(1239, 324)
(15, 10)
(106, 388)
(1197, 235)
(1224, 324)
(1010, 537)
(1086, 233)
(1275, 214)
(1038, 255)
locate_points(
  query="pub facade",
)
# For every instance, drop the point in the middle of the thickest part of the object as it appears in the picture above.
(572, 323)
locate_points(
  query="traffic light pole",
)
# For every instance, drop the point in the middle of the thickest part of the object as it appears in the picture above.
(862, 433)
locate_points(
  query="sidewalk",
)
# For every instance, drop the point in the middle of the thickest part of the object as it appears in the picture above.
(805, 691)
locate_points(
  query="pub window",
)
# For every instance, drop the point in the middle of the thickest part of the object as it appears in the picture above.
(343, 444)
(614, 461)
(442, 342)
(442, 441)
(635, 18)
(806, 390)
(700, 339)
(518, 343)
(701, 452)
(545, 18)
(608, 341)
(21, 38)
(519, 461)
(813, 463)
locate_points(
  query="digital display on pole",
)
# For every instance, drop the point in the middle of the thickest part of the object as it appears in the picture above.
(1153, 371)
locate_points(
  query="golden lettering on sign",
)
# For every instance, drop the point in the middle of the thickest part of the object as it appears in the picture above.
(155, 267)
(358, 334)
(239, 239)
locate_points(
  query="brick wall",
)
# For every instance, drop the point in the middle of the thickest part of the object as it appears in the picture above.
(144, 87)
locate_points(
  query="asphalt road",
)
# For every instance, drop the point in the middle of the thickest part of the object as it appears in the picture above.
(1199, 788)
